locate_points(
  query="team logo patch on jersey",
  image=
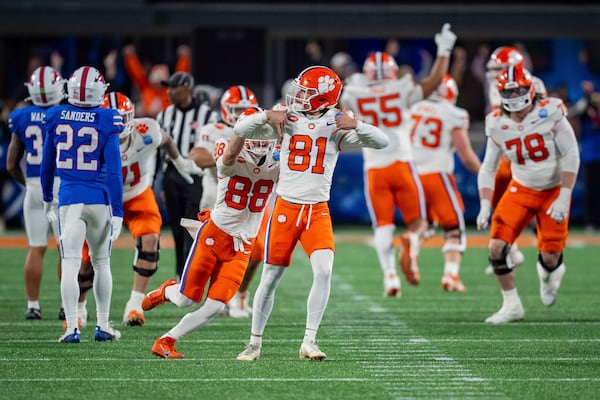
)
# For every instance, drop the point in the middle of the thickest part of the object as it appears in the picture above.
(209, 241)
(543, 113)
(147, 139)
(281, 218)
(142, 128)
(257, 170)
(504, 127)
(311, 126)
(520, 127)
(292, 118)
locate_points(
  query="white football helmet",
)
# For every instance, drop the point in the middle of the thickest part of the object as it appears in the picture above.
(86, 87)
(46, 87)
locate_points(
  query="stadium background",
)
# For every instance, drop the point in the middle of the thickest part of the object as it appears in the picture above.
(261, 44)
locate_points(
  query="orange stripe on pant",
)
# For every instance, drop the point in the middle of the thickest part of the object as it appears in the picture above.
(290, 223)
(518, 206)
(214, 258)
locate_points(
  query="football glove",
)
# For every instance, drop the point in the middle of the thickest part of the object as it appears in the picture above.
(116, 224)
(51, 211)
(559, 209)
(483, 217)
(445, 41)
(187, 168)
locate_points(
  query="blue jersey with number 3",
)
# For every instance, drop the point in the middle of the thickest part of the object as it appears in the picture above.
(82, 145)
(26, 123)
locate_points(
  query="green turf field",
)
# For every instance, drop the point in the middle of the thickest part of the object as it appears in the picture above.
(429, 344)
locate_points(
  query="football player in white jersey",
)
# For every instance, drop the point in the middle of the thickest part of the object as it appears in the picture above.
(219, 256)
(233, 102)
(535, 136)
(439, 130)
(378, 97)
(313, 133)
(138, 143)
(502, 58)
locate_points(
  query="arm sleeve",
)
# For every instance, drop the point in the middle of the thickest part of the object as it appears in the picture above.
(47, 168)
(365, 135)
(245, 127)
(487, 172)
(565, 140)
(114, 177)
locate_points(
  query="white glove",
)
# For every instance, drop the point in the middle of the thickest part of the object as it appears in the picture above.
(559, 209)
(238, 242)
(116, 224)
(445, 41)
(187, 168)
(51, 211)
(485, 209)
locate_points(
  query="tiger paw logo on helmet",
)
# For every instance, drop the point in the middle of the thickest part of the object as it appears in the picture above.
(326, 84)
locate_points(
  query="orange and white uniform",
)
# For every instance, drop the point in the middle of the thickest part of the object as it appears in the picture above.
(539, 149)
(433, 122)
(209, 135)
(309, 153)
(223, 243)
(141, 213)
(391, 178)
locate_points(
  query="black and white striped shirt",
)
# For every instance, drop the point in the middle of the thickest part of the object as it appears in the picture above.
(184, 125)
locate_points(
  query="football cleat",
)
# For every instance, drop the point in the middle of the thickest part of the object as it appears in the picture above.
(33, 313)
(238, 305)
(134, 318)
(157, 296)
(250, 353)
(452, 283)
(391, 285)
(549, 283)
(70, 337)
(165, 348)
(408, 263)
(311, 351)
(507, 314)
(108, 334)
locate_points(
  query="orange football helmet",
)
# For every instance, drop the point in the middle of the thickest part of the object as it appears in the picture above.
(380, 66)
(316, 88)
(516, 88)
(447, 90)
(504, 57)
(124, 105)
(234, 101)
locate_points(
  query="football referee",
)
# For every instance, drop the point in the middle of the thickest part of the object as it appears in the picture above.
(182, 120)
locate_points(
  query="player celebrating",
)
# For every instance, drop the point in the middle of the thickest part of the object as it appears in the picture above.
(536, 137)
(314, 132)
(391, 181)
(221, 250)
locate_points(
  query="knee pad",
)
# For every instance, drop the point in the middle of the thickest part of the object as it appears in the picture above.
(86, 280)
(454, 233)
(504, 264)
(145, 272)
(150, 256)
(546, 266)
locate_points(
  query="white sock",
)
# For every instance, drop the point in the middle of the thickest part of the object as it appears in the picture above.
(196, 319)
(451, 267)
(383, 240)
(322, 264)
(310, 336)
(33, 304)
(511, 297)
(69, 290)
(135, 300)
(103, 285)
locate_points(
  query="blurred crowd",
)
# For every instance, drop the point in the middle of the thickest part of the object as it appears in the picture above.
(137, 72)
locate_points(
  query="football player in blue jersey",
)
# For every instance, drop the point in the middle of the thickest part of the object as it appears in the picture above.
(82, 146)
(46, 88)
